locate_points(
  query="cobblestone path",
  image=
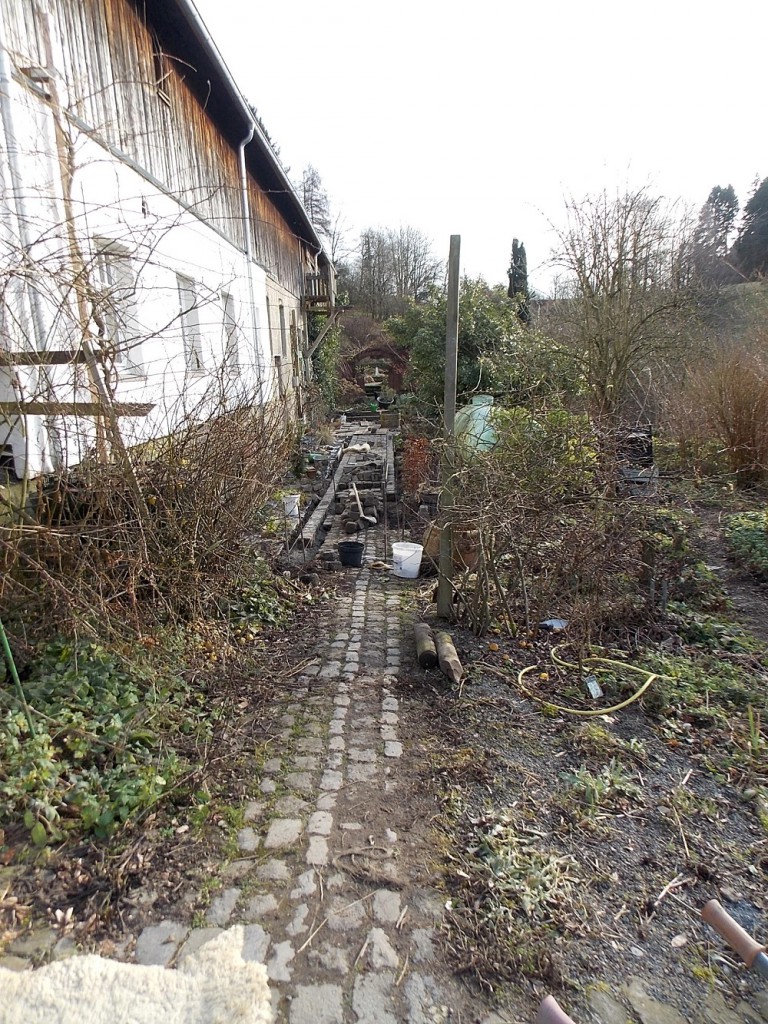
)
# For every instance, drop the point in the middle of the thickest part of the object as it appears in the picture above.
(319, 886)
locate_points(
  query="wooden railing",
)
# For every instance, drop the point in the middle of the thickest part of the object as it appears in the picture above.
(318, 290)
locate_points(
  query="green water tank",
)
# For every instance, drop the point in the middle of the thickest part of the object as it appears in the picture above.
(473, 425)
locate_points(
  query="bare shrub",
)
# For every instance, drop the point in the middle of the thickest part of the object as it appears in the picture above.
(166, 537)
(732, 393)
(554, 540)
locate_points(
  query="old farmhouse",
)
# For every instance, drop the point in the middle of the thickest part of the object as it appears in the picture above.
(156, 264)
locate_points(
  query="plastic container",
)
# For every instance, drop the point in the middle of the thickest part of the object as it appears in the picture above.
(407, 559)
(351, 552)
(291, 506)
(472, 425)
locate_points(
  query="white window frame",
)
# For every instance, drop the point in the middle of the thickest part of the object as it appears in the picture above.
(231, 332)
(114, 285)
(189, 319)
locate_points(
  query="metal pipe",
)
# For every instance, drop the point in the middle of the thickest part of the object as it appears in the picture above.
(12, 152)
(246, 214)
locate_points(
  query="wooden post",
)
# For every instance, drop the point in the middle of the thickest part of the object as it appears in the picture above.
(445, 580)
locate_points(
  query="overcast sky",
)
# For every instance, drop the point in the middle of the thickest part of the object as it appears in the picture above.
(477, 118)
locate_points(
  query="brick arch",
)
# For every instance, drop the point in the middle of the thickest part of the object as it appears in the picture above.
(390, 358)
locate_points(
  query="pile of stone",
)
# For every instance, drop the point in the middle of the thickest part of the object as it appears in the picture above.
(347, 508)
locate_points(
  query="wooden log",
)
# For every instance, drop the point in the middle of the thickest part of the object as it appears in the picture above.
(425, 645)
(448, 658)
(51, 408)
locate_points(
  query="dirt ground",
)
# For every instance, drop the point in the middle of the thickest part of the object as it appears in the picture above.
(570, 853)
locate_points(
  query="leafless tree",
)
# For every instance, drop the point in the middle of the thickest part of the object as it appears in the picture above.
(627, 259)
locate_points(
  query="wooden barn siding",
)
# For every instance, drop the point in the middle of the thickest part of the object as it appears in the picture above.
(177, 144)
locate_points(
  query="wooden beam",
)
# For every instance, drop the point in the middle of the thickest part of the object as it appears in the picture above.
(49, 357)
(74, 408)
(321, 336)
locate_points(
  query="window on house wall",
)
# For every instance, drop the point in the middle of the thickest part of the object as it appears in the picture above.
(283, 332)
(161, 67)
(231, 333)
(113, 292)
(269, 329)
(189, 317)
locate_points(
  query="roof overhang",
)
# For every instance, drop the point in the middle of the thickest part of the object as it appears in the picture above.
(182, 34)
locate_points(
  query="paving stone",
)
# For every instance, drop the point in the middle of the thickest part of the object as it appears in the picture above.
(331, 780)
(390, 835)
(425, 1001)
(157, 944)
(335, 728)
(320, 823)
(393, 749)
(422, 945)
(355, 754)
(297, 926)
(330, 670)
(315, 729)
(317, 851)
(15, 963)
(386, 906)
(331, 958)
(306, 762)
(317, 1004)
(299, 780)
(306, 885)
(362, 772)
(745, 1013)
(390, 704)
(310, 745)
(254, 809)
(283, 832)
(760, 1001)
(335, 760)
(605, 1008)
(222, 907)
(273, 871)
(388, 732)
(315, 702)
(364, 722)
(336, 743)
(247, 840)
(287, 720)
(354, 646)
(380, 951)
(291, 805)
(260, 906)
(389, 718)
(277, 965)
(351, 826)
(196, 940)
(267, 786)
(65, 948)
(372, 999)
(345, 915)
(272, 766)
(255, 943)
(340, 714)
(35, 944)
(648, 1009)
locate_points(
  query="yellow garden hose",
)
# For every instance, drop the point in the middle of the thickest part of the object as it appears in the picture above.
(594, 662)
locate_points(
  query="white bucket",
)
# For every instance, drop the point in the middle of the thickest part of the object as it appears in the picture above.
(407, 559)
(291, 506)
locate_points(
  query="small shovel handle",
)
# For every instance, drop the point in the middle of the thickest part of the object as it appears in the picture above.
(550, 1012)
(738, 939)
